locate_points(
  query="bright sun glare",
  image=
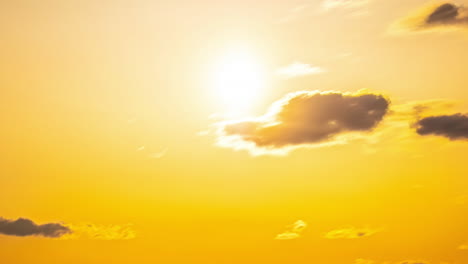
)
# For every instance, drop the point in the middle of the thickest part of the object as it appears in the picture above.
(239, 79)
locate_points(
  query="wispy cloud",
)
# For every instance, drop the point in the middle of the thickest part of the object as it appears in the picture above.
(351, 233)
(141, 148)
(293, 231)
(364, 261)
(159, 154)
(333, 4)
(100, 232)
(293, 13)
(297, 69)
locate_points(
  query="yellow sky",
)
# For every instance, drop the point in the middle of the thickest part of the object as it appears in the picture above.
(115, 121)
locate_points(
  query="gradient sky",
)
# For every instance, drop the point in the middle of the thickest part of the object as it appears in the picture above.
(114, 127)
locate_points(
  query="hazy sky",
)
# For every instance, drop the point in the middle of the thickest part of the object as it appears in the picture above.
(214, 131)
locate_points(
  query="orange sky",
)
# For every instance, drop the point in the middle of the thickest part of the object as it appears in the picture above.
(321, 131)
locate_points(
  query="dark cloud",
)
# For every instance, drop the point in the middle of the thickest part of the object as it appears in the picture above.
(450, 126)
(311, 117)
(434, 17)
(26, 227)
(446, 13)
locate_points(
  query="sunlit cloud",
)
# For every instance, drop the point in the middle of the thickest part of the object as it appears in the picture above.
(100, 232)
(297, 69)
(305, 119)
(351, 233)
(439, 16)
(293, 231)
(25, 227)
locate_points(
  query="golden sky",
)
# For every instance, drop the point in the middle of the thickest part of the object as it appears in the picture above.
(227, 132)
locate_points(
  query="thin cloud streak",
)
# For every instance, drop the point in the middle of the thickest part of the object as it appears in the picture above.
(351, 233)
(297, 69)
(334, 4)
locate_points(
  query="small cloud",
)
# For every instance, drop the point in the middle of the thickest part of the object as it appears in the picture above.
(368, 261)
(461, 199)
(309, 118)
(351, 233)
(297, 69)
(463, 247)
(158, 155)
(293, 13)
(439, 16)
(334, 4)
(287, 235)
(25, 227)
(100, 232)
(364, 261)
(453, 127)
(293, 231)
(141, 148)
(413, 262)
(131, 121)
(203, 133)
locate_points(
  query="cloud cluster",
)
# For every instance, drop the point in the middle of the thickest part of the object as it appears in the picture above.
(26, 227)
(351, 233)
(293, 231)
(434, 17)
(306, 119)
(454, 127)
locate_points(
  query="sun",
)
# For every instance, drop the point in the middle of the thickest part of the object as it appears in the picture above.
(238, 80)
